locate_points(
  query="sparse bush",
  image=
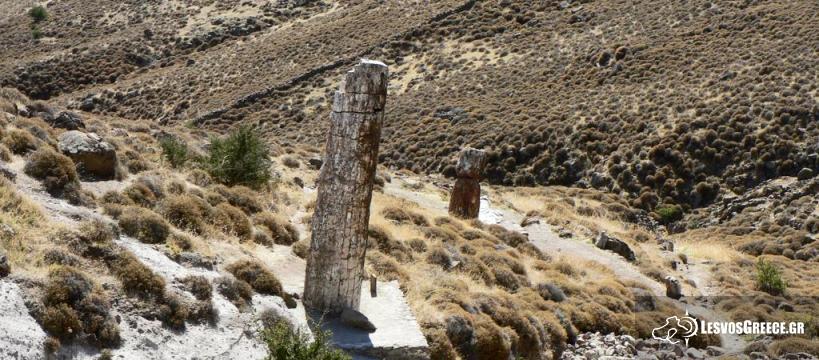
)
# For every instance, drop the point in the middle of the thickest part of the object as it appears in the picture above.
(143, 224)
(402, 216)
(61, 321)
(184, 212)
(259, 278)
(290, 162)
(231, 220)
(137, 278)
(199, 177)
(5, 153)
(199, 286)
(285, 343)
(237, 291)
(174, 151)
(241, 158)
(38, 13)
(301, 248)
(56, 171)
(140, 195)
(241, 197)
(769, 278)
(173, 311)
(281, 231)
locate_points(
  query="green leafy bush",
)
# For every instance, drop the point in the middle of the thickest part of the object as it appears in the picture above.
(668, 213)
(241, 158)
(174, 151)
(284, 343)
(38, 13)
(769, 278)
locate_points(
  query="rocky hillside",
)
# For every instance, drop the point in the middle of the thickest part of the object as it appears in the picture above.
(683, 134)
(674, 103)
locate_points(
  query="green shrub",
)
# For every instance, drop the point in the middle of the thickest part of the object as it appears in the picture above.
(769, 278)
(667, 214)
(285, 343)
(36, 33)
(241, 158)
(175, 151)
(38, 13)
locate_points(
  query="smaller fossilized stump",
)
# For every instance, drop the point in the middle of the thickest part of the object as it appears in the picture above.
(465, 201)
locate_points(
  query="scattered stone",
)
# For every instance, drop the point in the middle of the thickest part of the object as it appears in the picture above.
(7, 173)
(357, 320)
(619, 247)
(5, 268)
(67, 120)
(667, 245)
(565, 234)
(714, 351)
(92, 156)
(315, 163)
(551, 292)
(299, 182)
(673, 289)
(804, 174)
(785, 307)
(529, 220)
(694, 353)
(7, 231)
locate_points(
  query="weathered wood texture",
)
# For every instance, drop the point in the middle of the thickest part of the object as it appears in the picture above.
(335, 263)
(465, 200)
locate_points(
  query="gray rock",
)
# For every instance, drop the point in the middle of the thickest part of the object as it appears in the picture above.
(67, 120)
(667, 245)
(357, 320)
(93, 156)
(804, 174)
(7, 173)
(759, 356)
(673, 289)
(6, 231)
(643, 300)
(551, 292)
(5, 268)
(714, 351)
(619, 247)
(785, 307)
(315, 163)
(695, 354)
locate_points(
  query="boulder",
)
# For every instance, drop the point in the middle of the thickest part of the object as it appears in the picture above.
(315, 163)
(471, 163)
(354, 318)
(93, 156)
(551, 292)
(67, 120)
(619, 247)
(5, 268)
(673, 289)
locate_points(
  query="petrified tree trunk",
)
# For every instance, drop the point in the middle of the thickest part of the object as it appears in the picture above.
(465, 201)
(335, 264)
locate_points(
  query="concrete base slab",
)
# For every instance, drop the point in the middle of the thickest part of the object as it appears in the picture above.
(397, 336)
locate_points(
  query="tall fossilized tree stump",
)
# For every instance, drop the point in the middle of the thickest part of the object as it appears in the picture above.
(465, 201)
(335, 264)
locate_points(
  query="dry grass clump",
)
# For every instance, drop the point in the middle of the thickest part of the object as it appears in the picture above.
(20, 142)
(136, 278)
(237, 291)
(5, 153)
(793, 345)
(402, 216)
(199, 286)
(56, 171)
(381, 239)
(144, 225)
(301, 248)
(231, 220)
(199, 178)
(257, 276)
(75, 307)
(281, 231)
(141, 195)
(185, 212)
(242, 197)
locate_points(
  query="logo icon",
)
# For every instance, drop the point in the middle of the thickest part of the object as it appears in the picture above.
(676, 329)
